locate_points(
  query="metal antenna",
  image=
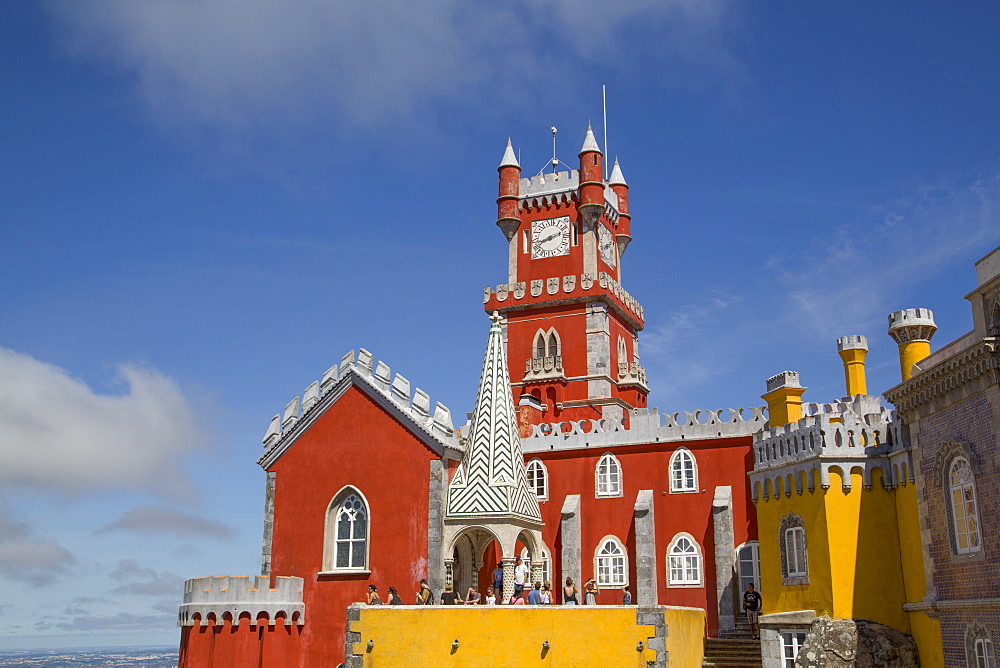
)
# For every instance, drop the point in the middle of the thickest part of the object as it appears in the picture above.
(555, 160)
(604, 94)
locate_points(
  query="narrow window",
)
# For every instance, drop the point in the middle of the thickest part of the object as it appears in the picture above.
(795, 549)
(985, 657)
(964, 511)
(524, 244)
(553, 345)
(609, 476)
(538, 479)
(791, 643)
(540, 346)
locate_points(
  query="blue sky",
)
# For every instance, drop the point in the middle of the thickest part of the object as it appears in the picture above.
(204, 204)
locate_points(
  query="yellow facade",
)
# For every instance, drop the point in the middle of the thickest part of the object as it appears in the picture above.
(516, 636)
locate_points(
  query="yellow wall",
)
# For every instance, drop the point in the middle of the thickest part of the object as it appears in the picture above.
(513, 636)
(818, 594)
(926, 632)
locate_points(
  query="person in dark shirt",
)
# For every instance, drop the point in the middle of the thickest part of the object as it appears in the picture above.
(394, 598)
(448, 597)
(425, 596)
(751, 605)
(626, 596)
(498, 579)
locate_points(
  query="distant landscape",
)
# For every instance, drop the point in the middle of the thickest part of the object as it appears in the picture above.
(136, 657)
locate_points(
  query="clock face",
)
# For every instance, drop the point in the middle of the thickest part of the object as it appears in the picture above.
(606, 244)
(550, 237)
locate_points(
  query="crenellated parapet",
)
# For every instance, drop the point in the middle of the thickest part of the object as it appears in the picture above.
(432, 420)
(565, 288)
(855, 433)
(645, 426)
(555, 188)
(214, 599)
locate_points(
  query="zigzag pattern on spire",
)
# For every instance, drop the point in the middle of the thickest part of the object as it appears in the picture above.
(491, 479)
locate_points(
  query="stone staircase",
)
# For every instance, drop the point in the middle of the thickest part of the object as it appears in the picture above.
(735, 649)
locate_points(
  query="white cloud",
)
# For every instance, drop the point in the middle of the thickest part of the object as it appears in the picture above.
(862, 269)
(239, 61)
(25, 556)
(60, 435)
(147, 520)
(139, 581)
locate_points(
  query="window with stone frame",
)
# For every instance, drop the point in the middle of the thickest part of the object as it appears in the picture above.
(611, 563)
(684, 562)
(683, 472)
(794, 555)
(791, 643)
(609, 476)
(540, 346)
(346, 537)
(963, 507)
(538, 479)
(979, 646)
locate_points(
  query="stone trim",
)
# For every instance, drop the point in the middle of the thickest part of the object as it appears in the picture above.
(645, 585)
(942, 461)
(436, 503)
(939, 605)
(977, 630)
(214, 598)
(265, 550)
(725, 571)
(570, 559)
(961, 375)
(791, 521)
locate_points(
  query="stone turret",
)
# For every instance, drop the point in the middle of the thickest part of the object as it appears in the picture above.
(912, 330)
(620, 188)
(591, 180)
(784, 398)
(853, 350)
(510, 178)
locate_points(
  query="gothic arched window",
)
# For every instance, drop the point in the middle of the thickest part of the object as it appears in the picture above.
(963, 506)
(611, 563)
(538, 479)
(346, 538)
(684, 561)
(553, 344)
(539, 346)
(609, 476)
(683, 472)
(979, 646)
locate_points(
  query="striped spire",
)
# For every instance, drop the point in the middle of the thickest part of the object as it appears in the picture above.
(491, 481)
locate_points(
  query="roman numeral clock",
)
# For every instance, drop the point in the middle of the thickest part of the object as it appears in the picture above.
(550, 237)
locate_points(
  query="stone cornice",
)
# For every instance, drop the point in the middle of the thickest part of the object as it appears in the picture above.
(940, 605)
(965, 373)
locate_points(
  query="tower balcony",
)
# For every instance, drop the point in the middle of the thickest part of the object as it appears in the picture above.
(630, 373)
(544, 368)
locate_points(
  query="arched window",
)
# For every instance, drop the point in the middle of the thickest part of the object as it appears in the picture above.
(963, 506)
(979, 646)
(683, 472)
(684, 562)
(794, 557)
(622, 351)
(538, 479)
(546, 564)
(611, 563)
(539, 346)
(609, 476)
(553, 345)
(346, 539)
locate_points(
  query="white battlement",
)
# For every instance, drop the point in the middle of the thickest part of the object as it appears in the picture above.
(565, 285)
(561, 188)
(213, 599)
(856, 431)
(645, 426)
(437, 423)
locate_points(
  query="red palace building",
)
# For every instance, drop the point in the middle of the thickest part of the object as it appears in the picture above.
(625, 495)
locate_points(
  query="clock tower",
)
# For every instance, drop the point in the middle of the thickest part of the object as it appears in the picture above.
(572, 330)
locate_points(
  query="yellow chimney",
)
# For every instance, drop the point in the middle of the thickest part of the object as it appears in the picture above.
(912, 330)
(853, 350)
(784, 398)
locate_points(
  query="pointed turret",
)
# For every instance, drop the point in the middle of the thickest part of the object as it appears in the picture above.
(510, 178)
(620, 188)
(591, 179)
(491, 480)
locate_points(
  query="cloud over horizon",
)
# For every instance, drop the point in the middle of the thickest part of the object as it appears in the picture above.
(64, 437)
(29, 557)
(149, 520)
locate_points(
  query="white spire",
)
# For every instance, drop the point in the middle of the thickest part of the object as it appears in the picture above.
(491, 481)
(509, 159)
(590, 142)
(616, 176)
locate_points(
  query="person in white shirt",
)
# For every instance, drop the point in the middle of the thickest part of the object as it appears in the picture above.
(520, 577)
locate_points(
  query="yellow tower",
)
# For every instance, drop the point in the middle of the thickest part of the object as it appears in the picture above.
(853, 350)
(784, 398)
(912, 330)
